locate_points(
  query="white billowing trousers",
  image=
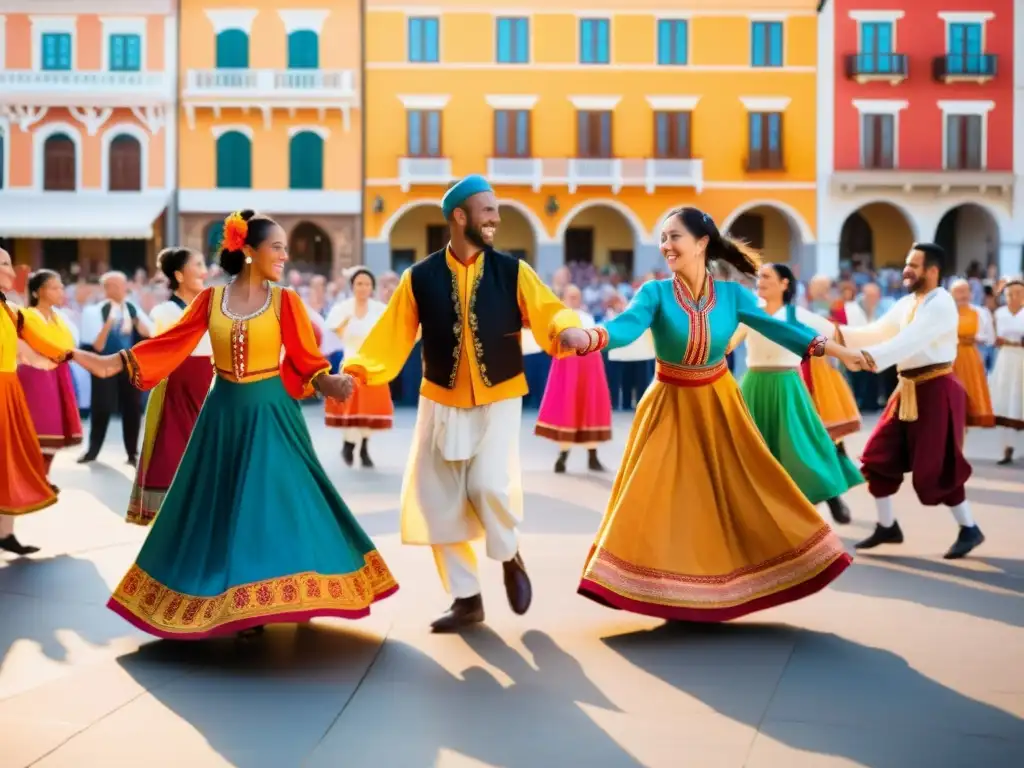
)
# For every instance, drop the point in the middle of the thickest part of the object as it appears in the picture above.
(463, 482)
(356, 434)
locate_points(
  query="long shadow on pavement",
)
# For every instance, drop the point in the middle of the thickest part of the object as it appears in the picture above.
(411, 710)
(869, 577)
(835, 697)
(44, 596)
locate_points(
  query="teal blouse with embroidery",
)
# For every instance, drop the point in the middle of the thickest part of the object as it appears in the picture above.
(696, 332)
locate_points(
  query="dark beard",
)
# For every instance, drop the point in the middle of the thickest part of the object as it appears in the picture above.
(475, 237)
(917, 285)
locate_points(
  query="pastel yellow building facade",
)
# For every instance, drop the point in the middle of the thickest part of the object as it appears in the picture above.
(270, 120)
(592, 125)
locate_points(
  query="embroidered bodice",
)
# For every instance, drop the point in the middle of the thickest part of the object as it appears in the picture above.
(245, 348)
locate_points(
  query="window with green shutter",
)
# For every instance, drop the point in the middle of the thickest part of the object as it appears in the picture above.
(234, 161)
(306, 161)
(232, 49)
(125, 53)
(303, 50)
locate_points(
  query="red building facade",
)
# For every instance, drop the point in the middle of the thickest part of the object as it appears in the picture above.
(916, 131)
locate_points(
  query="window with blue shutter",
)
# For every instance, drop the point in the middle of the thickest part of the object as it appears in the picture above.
(232, 49)
(876, 54)
(513, 41)
(303, 50)
(766, 44)
(765, 142)
(234, 161)
(125, 53)
(965, 53)
(424, 46)
(56, 51)
(306, 161)
(672, 41)
(595, 43)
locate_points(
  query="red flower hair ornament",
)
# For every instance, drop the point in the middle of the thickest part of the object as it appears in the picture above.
(236, 229)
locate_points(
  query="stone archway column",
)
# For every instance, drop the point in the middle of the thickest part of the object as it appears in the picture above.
(377, 256)
(1011, 259)
(646, 258)
(824, 260)
(550, 256)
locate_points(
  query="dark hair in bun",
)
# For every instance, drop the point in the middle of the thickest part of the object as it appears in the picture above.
(363, 271)
(36, 281)
(171, 260)
(232, 261)
(783, 272)
(720, 247)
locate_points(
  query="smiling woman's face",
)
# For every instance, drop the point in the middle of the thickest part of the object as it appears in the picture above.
(7, 274)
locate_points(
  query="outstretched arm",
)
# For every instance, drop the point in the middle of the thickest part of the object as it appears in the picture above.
(546, 316)
(626, 328)
(50, 340)
(151, 361)
(391, 339)
(932, 320)
(302, 362)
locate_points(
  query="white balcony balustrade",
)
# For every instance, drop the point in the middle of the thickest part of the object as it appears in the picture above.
(424, 170)
(50, 88)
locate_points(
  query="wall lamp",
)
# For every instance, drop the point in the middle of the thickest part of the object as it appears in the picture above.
(551, 206)
(378, 204)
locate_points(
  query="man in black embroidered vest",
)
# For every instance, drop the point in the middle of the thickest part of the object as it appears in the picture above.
(463, 480)
(107, 328)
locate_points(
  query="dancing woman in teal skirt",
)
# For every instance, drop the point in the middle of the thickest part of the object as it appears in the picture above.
(251, 531)
(781, 406)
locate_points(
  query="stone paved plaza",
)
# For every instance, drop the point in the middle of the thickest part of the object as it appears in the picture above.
(908, 661)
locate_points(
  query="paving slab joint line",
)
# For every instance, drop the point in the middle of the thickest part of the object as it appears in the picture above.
(362, 679)
(768, 706)
(86, 727)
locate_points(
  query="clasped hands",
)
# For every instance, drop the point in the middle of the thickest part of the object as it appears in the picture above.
(575, 339)
(339, 386)
(855, 360)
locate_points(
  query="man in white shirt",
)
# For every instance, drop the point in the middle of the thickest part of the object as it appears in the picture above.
(107, 328)
(922, 429)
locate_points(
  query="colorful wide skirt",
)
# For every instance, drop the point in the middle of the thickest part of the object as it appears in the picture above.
(970, 370)
(1008, 387)
(23, 484)
(782, 409)
(833, 398)
(171, 415)
(703, 523)
(370, 407)
(51, 400)
(577, 405)
(252, 531)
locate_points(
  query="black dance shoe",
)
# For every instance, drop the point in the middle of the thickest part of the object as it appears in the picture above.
(364, 455)
(1007, 459)
(348, 453)
(11, 544)
(593, 463)
(560, 463)
(968, 538)
(882, 535)
(840, 512)
(465, 612)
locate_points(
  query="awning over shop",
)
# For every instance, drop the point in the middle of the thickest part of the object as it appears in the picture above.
(86, 216)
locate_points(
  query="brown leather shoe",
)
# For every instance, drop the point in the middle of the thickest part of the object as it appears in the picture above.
(465, 611)
(517, 585)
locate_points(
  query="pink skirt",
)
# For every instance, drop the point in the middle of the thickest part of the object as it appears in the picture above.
(577, 406)
(51, 402)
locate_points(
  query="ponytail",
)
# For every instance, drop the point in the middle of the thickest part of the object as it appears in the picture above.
(720, 247)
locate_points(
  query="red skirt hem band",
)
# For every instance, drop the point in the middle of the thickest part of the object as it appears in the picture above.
(231, 627)
(602, 595)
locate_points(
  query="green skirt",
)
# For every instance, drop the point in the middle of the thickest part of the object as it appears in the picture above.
(783, 411)
(251, 531)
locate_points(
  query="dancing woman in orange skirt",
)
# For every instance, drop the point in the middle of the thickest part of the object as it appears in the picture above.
(975, 326)
(369, 409)
(23, 484)
(704, 524)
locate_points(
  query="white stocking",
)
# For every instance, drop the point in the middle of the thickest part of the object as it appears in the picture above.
(886, 516)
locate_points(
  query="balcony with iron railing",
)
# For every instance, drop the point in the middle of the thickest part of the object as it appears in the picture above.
(271, 84)
(57, 88)
(877, 67)
(961, 67)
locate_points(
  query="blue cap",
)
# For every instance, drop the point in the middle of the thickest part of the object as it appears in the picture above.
(462, 191)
